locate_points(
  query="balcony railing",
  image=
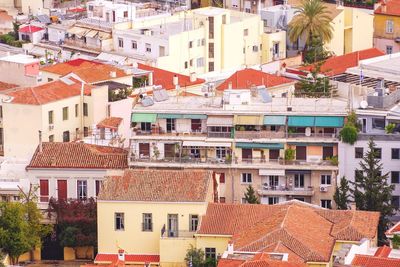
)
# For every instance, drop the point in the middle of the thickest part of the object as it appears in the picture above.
(259, 134)
(219, 134)
(81, 44)
(178, 234)
(312, 135)
(286, 190)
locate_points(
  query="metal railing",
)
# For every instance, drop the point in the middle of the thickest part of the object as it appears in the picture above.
(286, 190)
(303, 135)
(259, 134)
(177, 234)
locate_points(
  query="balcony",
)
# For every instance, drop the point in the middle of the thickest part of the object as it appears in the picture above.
(259, 134)
(286, 190)
(177, 234)
(78, 43)
(219, 134)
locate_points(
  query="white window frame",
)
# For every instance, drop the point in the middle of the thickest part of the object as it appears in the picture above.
(148, 48)
(81, 189)
(324, 179)
(119, 225)
(134, 44)
(247, 178)
(326, 201)
(389, 26)
(120, 42)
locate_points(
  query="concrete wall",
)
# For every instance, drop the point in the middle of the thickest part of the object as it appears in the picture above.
(16, 74)
(122, 109)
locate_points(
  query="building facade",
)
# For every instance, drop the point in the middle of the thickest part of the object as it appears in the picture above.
(387, 27)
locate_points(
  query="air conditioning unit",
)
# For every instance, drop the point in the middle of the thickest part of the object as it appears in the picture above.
(323, 188)
(51, 127)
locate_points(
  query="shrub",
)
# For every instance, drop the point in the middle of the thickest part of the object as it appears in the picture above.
(349, 134)
(389, 129)
(289, 154)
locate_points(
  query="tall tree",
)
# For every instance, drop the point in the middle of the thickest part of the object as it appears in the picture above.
(250, 196)
(315, 85)
(372, 190)
(342, 194)
(312, 20)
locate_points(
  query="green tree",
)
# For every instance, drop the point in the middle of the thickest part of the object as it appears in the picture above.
(372, 190)
(342, 194)
(312, 20)
(349, 133)
(196, 256)
(250, 195)
(396, 241)
(316, 51)
(314, 85)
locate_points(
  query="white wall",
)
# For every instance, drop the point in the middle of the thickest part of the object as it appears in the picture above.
(122, 109)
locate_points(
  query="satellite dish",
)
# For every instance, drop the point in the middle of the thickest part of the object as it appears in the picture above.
(308, 131)
(363, 104)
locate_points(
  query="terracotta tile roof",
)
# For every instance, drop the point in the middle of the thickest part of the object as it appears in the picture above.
(244, 79)
(395, 229)
(79, 156)
(87, 70)
(165, 78)
(305, 232)
(6, 86)
(339, 64)
(129, 258)
(259, 260)
(48, 92)
(111, 122)
(371, 261)
(159, 186)
(392, 8)
(383, 252)
(30, 29)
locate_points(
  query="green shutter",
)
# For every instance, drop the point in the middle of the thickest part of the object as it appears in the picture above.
(325, 121)
(274, 120)
(144, 117)
(195, 116)
(301, 121)
(170, 116)
(259, 145)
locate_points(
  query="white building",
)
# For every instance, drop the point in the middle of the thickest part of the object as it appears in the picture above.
(20, 69)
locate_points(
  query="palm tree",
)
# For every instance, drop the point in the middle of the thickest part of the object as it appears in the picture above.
(313, 20)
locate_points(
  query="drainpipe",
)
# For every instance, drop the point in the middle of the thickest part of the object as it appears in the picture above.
(82, 108)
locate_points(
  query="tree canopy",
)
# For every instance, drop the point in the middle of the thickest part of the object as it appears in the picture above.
(342, 194)
(250, 196)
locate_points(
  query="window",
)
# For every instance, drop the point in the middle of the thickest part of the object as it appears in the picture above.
(134, 45)
(85, 131)
(359, 152)
(51, 117)
(49, 79)
(51, 138)
(221, 178)
(246, 178)
(221, 152)
(85, 109)
(273, 200)
(389, 26)
(90, 8)
(120, 43)
(245, 32)
(378, 123)
(161, 51)
(190, 44)
(358, 173)
(170, 125)
(223, 19)
(211, 50)
(193, 222)
(325, 179)
(148, 48)
(389, 49)
(222, 200)
(195, 152)
(44, 190)
(299, 180)
(395, 153)
(200, 62)
(144, 150)
(396, 201)
(211, 27)
(273, 154)
(378, 153)
(273, 181)
(119, 221)
(125, 14)
(326, 203)
(395, 177)
(210, 253)
(191, 63)
(66, 136)
(203, 42)
(97, 187)
(147, 222)
(186, 65)
(196, 125)
(145, 126)
(255, 48)
(81, 186)
(76, 110)
(210, 66)
(65, 113)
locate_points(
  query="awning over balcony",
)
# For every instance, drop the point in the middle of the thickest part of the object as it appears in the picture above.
(195, 116)
(170, 116)
(271, 172)
(329, 121)
(78, 31)
(92, 33)
(248, 120)
(298, 171)
(259, 145)
(274, 120)
(219, 121)
(144, 117)
(205, 144)
(301, 121)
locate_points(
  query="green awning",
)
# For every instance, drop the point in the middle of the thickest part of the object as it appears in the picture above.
(310, 144)
(259, 145)
(195, 116)
(274, 120)
(325, 121)
(170, 116)
(301, 121)
(144, 117)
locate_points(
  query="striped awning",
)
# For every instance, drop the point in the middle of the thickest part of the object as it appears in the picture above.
(220, 121)
(259, 145)
(248, 120)
(329, 121)
(274, 120)
(144, 117)
(301, 121)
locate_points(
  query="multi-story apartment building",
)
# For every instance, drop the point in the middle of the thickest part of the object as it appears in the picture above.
(201, 40)
(387, 27)
(244, 139)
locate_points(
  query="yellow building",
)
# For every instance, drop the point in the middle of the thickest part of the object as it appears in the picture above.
(387, 27)
(149, 212)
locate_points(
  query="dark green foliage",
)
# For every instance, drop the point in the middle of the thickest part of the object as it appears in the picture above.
(396, 241)
(115, 95)
(138, 82)
(250, 195)
(315, 51)
(196, 256)
(349, 132)
(314, 85)
(342, 194)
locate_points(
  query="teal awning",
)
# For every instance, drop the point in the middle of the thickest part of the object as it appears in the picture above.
(195, 116)
(170, 116)
(259, 145)
(144, 117)
(325, 121)
(301, 121)
(274, 120)
(310, 144)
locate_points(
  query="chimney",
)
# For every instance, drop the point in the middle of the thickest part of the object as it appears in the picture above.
(150, 78)
(175, 80)
(230, 247)
(383, 5)
(40, 141)
(121, 255)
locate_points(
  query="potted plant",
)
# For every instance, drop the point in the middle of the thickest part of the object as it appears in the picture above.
(289, 154)
(156, 152)
(389, 129)
(334, 160)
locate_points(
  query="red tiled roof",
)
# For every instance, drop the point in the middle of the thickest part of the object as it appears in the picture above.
(383, 252)
(395, 229)
(79, 156)
(305, 232)
(6, 86)
(159, 186)
(371, 261)
(111, 258)
(48, 92)
(88, 70)
(392, 8)
(30, 29)
(339, 64)
(165, 78)
(259, 260)
(244, 79)
(111, 122)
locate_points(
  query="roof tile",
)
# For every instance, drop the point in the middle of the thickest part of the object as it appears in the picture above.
(371, 261)
(392, 8)
(111, 122)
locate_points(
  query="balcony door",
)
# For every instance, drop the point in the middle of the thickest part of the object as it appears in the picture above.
(144, 150)
(62, 190)
(247, 154)
(327, 152)
(172, 225)
(299, 181)
(301, 152)
(169, 150)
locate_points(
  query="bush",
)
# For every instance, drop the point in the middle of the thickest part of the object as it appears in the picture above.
(349, 134)
(389, 129)
(289, 154)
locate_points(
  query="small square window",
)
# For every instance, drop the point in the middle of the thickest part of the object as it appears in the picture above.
(395, 153)
(326, 203)
(325, 179)
(246, 32)
(396, 201)
(246, 178)
(222, 200)
(359, 152)
(395, 177)
(378, 153)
